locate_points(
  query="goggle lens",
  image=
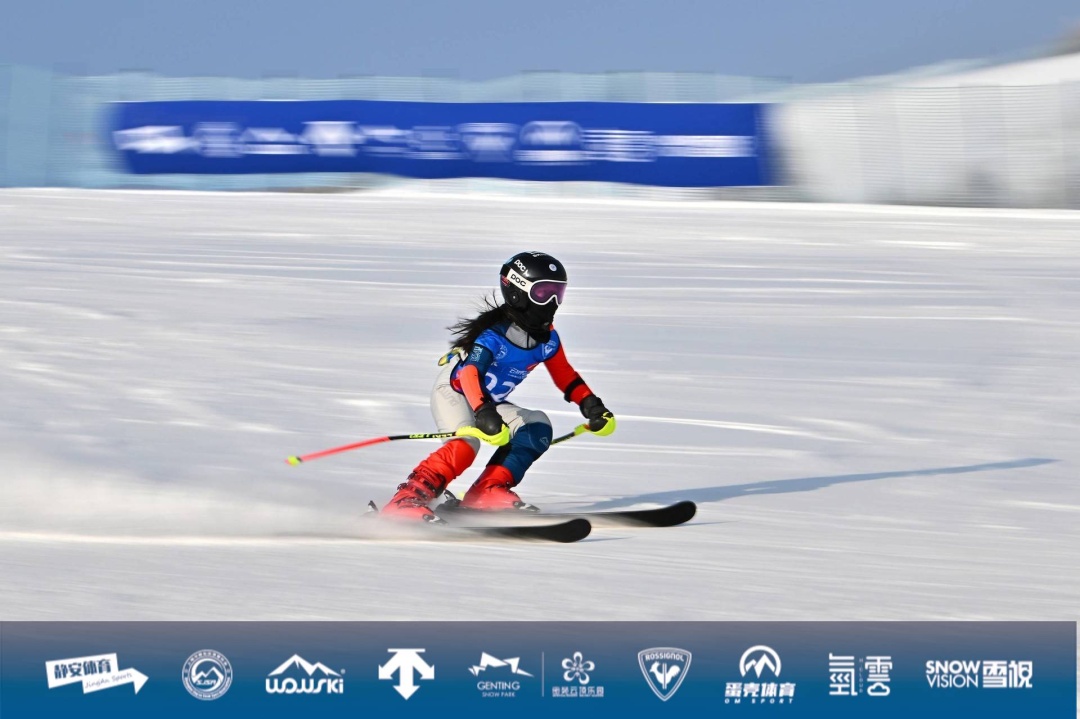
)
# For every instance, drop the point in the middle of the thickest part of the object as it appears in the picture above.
(543, 291)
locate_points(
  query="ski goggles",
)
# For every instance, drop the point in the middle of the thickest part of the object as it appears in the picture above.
(541, 291)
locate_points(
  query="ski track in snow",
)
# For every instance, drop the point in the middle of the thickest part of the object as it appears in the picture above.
(876, 408)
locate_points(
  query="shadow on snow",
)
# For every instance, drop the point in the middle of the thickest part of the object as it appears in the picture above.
(802, 484)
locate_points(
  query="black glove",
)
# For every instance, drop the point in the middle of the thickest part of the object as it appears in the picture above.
(592, 407)
(488, 419)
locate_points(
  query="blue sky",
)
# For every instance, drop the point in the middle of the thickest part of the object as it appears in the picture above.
(801, 40)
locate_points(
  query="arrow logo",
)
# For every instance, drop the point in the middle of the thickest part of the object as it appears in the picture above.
(95, 673)
(405, 662)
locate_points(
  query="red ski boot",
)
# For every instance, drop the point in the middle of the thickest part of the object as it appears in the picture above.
(428, 481)
(493, 491)
(414, 495)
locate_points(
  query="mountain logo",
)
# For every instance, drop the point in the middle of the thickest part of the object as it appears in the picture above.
(207, 675)
(759, 658)
(299, 676)
(664, 669)
(760, 669)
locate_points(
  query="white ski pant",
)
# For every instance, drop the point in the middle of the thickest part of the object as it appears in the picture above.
(452, 412)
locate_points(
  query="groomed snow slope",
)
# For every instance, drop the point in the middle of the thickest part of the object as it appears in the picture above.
(876, 408)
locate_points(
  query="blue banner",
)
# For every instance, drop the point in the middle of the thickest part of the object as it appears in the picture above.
(533, 669)
(674, 145)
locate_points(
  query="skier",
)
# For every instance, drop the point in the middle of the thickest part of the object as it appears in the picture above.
(492, 354)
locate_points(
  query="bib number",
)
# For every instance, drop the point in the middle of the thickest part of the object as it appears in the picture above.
(493, 382)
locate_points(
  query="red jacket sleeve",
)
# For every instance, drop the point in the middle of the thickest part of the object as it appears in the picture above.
(566, 377)
(471, 387)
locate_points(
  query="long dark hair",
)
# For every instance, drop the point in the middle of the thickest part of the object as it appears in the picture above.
(466, 330)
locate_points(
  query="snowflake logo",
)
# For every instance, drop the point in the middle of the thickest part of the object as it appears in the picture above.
(577, 669)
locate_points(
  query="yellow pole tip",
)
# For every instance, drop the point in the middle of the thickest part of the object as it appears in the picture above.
(294, 461)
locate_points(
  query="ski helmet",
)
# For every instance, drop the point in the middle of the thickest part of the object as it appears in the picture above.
(533, 286)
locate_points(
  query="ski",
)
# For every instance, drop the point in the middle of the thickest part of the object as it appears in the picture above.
(668, 516)
(566, 529)
(571, 530)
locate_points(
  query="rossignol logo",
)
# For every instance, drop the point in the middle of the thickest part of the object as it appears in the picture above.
(207, 675)
(299, 676)
(975, 673)
(664, 669)
(97, 672)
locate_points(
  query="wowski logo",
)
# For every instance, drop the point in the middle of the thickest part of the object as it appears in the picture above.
(298, 676)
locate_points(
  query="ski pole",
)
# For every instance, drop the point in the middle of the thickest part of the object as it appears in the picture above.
(299, 459)
(580, 429)
(604, 431)
(367, 443)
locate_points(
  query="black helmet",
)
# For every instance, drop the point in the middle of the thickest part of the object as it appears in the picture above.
(533, 285)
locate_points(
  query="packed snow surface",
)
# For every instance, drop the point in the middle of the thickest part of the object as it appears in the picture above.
(877, 409)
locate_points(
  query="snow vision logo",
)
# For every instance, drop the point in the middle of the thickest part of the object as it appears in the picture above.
(664, 669)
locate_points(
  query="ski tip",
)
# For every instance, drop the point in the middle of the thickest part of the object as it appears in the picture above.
(686, 506)
(688, 509)
(674, 515)
(294, 461)
(575, 530)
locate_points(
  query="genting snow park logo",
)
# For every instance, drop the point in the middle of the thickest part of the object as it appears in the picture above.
(207, 675)
(498, 678)
(664, 669)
